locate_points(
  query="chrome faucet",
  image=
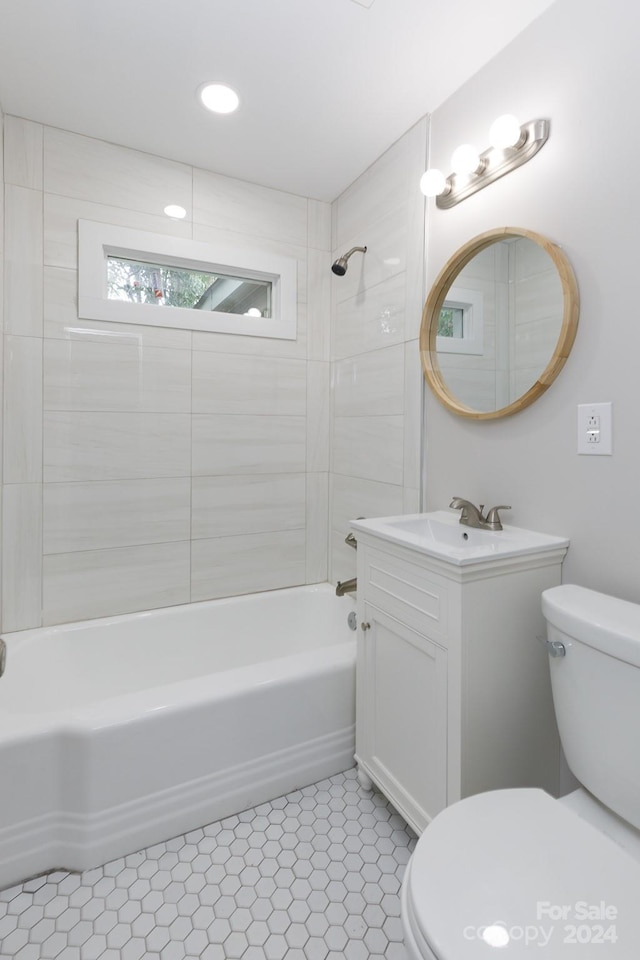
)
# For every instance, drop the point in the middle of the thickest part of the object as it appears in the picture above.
(472, 516)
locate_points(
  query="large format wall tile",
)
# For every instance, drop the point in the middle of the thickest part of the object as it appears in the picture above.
(88, 169)
(318, 416)
(115, 446)
(248, 208)
(22, 556)
(61, 215)
(112, 377)
(372, 321)
(317, 526)
(227, 384)
(115, 513)
(22, 153)
(22, 410)
(369, 447)
(370, 384)
(23, 262)
(98, 583)
(227, 566)
(259, 503)
(247, 445)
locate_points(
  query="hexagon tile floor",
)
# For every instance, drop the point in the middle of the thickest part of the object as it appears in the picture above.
(314, 875)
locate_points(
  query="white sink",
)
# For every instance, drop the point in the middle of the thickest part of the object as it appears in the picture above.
(440, 534)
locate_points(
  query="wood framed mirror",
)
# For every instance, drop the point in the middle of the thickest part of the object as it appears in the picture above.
(499, 323)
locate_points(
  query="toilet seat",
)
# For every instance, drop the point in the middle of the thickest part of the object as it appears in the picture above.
(520, 861)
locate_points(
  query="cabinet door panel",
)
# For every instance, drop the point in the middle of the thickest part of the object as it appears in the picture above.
(406, 698)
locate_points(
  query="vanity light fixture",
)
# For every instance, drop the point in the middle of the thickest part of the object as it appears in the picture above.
(512, 145)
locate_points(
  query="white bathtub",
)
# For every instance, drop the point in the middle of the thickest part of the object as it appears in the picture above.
(121, 732)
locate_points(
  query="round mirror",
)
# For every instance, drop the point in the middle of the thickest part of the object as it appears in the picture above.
(499, 323)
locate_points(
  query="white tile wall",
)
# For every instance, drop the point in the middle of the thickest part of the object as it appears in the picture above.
(23, 261)
(116, 446)
(248, 208)
(21, 555)
(95, 583)
(376, 374)
(255, 503)
(180, 465)
(23, 154)
(115, 513)
(101, 376)
(248, 444)
(227, 384)
(148, 438)
(22, 410)
(369, 447)
(227, 566)
(88, 169)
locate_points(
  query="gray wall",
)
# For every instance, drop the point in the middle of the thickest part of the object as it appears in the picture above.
(577, 65)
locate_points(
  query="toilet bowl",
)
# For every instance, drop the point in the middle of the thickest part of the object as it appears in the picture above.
(520, 873)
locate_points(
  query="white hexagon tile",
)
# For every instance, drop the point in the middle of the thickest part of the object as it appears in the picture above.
(314, 875)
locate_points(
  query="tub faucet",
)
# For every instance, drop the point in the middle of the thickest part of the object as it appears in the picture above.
(346, 586)
(471, 516)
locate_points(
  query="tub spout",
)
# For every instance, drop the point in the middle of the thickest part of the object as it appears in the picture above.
(346, 586)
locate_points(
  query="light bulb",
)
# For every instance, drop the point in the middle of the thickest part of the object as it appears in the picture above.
(175, 212)
(465, 159)
(253, 312)
(433, 183)
(219, 98)
(505, 132)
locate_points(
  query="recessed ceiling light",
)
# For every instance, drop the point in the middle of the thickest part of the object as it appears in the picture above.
(219, 98)
(175, 212)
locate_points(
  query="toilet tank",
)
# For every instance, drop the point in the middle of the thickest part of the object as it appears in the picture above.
(596, 692)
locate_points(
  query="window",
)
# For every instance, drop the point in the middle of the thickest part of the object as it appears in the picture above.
(460, 324)
(126, 275)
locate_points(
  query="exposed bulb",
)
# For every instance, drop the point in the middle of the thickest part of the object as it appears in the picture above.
(253, 312)
(433, 183)
(505, 132)
(465, 159)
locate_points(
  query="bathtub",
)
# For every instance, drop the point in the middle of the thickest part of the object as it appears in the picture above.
(121, 732)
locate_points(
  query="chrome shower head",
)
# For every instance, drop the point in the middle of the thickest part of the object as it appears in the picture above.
(340, 265)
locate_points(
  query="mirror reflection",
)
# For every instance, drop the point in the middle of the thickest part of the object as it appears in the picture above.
(499, 323)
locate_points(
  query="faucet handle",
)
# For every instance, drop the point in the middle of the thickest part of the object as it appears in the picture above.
(493, 517)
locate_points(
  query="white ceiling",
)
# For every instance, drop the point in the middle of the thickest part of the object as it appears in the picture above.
(326, 85)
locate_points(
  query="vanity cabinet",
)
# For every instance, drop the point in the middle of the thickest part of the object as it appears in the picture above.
(453, 690)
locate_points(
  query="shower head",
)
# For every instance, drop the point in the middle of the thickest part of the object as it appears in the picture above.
(340, 265)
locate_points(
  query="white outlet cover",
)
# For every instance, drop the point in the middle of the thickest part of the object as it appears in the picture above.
(603, 446)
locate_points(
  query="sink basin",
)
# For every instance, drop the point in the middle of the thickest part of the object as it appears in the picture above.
(440, 534)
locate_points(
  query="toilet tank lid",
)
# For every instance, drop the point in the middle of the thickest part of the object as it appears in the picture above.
(596, 619)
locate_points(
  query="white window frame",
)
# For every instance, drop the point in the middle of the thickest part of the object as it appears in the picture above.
(98, 241)
(472, 339)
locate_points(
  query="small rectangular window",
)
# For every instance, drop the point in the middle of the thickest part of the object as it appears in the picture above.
(125, 275)
(460, 324)
(451, 322)
(138, 281)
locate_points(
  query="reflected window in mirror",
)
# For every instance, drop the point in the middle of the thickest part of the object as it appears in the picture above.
(460, 322)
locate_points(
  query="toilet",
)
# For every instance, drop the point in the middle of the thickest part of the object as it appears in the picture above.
(517, 873)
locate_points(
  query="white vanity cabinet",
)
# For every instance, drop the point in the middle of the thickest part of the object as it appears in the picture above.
(453, 692)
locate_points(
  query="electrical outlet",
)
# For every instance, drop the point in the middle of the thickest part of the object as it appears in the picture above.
(594, 428)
